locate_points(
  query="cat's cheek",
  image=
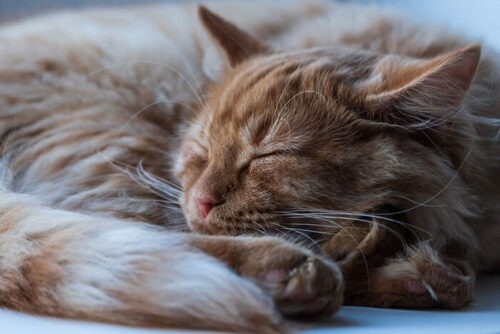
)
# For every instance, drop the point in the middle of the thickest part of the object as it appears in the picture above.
(185, 204)
(191, 212)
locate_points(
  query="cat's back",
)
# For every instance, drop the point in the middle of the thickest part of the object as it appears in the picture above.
(371, 27)
(153, 31)
(86, 40)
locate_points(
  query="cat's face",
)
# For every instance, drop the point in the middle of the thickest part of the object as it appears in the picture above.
(277, 136)
(287, 140)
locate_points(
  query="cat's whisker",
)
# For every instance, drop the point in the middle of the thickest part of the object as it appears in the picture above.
(265, 221)
(325, 226)
(328, 219)
(191, 73)
(455, 175)
(150, 188)
(159, 182)
(324, 213)
(299, 233)
(335, 224)
(391, 230)
(143, 109)
(313, 231)
(142, 181)
(172, 208)
(436, 146)
(159, 192)
(419, 203)
(261, 228)
(359, 248)
(150, 200)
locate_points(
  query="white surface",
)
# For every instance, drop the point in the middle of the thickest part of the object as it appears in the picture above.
(482, 317)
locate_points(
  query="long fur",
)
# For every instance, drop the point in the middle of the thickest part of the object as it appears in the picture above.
(105, 124)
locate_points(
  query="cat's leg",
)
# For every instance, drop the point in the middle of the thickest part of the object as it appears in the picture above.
(301, 283)
(65, 264)
(420, 277)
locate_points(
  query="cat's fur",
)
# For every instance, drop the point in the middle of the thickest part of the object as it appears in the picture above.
(335, 116)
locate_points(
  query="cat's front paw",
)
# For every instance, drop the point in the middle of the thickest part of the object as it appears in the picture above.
(447, 284)
(311, 289)
(422, 283)
(302, 284)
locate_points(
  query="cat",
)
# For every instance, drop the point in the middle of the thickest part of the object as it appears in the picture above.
(164, 170)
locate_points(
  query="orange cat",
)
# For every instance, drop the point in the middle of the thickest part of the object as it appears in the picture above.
(329, 138)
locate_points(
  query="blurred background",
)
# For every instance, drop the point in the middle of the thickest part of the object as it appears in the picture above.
(479, 18)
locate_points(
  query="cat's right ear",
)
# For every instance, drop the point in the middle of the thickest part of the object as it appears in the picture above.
(423, 93)
(236, 44)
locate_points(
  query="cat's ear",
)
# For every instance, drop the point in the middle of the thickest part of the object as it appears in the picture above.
(237, 44)
(423, 92)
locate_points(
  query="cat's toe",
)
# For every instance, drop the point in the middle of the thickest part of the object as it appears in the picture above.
(301, 283)
(449, 284)
(310, 290)
(452, 283)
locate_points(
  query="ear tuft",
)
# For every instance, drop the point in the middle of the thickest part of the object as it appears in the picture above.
(237, 44)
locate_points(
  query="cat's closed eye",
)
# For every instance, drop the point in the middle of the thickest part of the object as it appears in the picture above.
(271, 154)
(265, 157)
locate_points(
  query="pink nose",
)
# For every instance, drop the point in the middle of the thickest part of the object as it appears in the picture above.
(205, 204)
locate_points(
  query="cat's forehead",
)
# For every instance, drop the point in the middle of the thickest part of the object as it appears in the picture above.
(280, 100)
(282, 80)
(352, 64)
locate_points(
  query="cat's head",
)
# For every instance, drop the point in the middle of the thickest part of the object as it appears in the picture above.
(288, 140)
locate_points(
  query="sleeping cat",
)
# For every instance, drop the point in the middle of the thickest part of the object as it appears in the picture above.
(162, 172)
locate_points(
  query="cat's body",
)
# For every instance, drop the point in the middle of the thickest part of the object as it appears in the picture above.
(94, 108)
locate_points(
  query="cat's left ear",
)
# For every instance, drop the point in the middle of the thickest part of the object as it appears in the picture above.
(418, 93)
(236, 44)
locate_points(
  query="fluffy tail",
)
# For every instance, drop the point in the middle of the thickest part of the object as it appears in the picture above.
(70, 265)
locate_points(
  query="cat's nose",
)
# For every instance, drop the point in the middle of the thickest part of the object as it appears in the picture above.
(205, 204)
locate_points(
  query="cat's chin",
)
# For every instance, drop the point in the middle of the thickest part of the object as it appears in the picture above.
(213, 226)
(207, 226)
(201, 228)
